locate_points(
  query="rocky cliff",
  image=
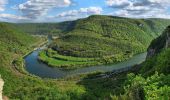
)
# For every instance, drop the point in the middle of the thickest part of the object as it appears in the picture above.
(159, 43)
(1, 87)
(158, 55)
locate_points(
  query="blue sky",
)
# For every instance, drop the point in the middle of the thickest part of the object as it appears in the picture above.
(63, 10)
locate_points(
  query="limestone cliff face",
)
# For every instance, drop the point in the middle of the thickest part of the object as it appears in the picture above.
(159, 43)
(1, 87)
(168, 40)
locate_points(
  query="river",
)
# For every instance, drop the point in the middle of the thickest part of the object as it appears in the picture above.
(40, 69)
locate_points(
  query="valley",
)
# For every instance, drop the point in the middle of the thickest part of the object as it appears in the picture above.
(99, 40)
(75, 65)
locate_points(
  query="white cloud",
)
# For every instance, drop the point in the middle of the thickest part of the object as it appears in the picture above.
(140, 8)
(81, 11)
(2, 4)
(36, 8)
(75, 14)
(12, 18)
(118, 3)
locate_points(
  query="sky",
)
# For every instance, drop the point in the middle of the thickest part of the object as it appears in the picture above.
(65, 10)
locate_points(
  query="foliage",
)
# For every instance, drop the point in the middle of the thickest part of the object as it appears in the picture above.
(155, 87)
(159, 63)
(87, 45)
(46, 28)
(65, 63)
(22, 86)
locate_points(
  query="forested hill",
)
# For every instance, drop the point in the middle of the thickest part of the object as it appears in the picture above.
(14, 44)
(98, 36)
(46, 28)
(153, 83)
(149, 25)
(13, 39)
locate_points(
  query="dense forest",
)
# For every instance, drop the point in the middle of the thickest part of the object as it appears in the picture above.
(149, 80)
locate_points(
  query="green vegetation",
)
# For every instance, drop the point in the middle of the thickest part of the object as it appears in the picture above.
(54, 54)
(22, 86)
(56, 60)
(159, 63)
(151, 85)
(148, 84)
(160, 54)
(130, 85)
(46, 28)
(151, 82)
(105, 38)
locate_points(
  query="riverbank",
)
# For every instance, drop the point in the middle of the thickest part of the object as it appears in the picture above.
(19, 62)
(40, 69)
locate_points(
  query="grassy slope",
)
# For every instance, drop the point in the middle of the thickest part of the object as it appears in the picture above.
(112, 39)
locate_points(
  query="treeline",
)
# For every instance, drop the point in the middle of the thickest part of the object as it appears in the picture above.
(46, 28)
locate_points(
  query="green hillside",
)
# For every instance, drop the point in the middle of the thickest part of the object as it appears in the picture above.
(20, 85)
(46, 28)
(149, 25)
(147, 81)
(106, 39)
(153, 80)
(158, 55)
(15, 44)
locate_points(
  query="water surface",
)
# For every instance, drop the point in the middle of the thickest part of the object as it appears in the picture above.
(40, 69)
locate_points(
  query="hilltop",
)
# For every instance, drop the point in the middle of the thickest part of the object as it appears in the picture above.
(155, 25)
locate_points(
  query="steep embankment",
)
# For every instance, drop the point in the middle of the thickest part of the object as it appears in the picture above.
(105, 39)
(158, 55)
(153, 83)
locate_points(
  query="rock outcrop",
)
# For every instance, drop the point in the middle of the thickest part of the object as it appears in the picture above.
(168, 40)
(1, 87)
(159, 43)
